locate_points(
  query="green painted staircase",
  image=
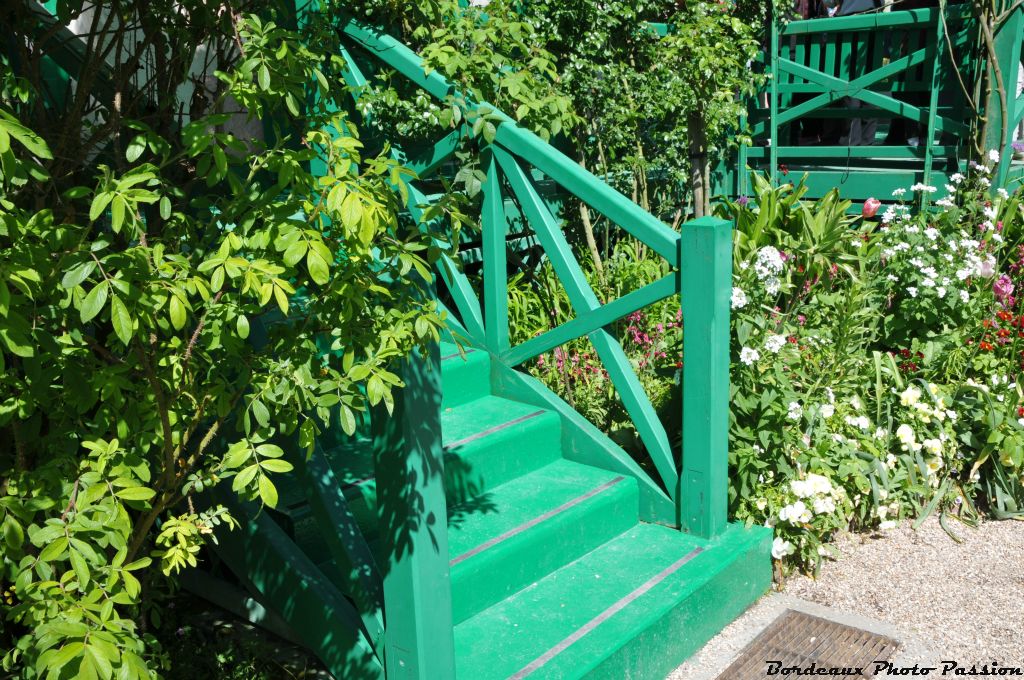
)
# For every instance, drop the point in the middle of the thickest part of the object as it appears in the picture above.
(553, 574)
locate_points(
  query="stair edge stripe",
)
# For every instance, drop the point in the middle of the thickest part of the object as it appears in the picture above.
(618, 606)
(492, 430)
(535, 521)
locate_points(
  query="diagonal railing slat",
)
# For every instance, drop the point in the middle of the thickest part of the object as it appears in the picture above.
(495, 230)
(583, 300)
(588, 322)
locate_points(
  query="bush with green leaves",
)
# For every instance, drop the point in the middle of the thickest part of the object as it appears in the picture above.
(174, 307)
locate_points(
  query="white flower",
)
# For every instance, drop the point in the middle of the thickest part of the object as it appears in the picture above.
(795, 410)
(956, 178)
(774, 343)
(771, 285)
(993, 155)
(879, 433)
(1003, 193)
(739, 298)
(899, 192)
(887, 525)
(882, 511)
(748, 356)
(824, 506)
(890, 461)
(830, 395)
(944, 203)
(932, 233)
(964, 296)
(855, 403)
(781, 548)
(910, 396)
(861, 422)
(933, 465)
(985, 182)
(761, 504)
(941, 292)
(827, 411)
(912, 291)
(924, 188)
(801, 488)
(932, 446)
(819, 483)
(990, 212)
(769, 263)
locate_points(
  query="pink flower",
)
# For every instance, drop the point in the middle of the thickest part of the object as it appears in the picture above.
(871, 207)
(988, 267)
(1002, 287)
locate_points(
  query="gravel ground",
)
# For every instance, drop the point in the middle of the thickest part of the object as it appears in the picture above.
(942, 599)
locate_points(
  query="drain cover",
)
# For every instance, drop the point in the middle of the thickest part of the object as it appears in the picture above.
(797, 640)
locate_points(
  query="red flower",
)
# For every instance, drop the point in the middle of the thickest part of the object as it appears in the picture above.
(987, 346)
(871, 207)
(1020, 411)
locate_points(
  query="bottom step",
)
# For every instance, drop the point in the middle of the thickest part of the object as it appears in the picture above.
(635, 607)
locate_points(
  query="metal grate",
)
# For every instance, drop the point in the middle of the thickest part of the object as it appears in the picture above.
(800, 640)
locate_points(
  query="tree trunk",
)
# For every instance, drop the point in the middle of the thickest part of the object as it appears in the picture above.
(699, 172)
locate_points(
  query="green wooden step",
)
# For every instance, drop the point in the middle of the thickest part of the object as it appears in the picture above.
(633, 608)
(465, 376)
(489, 441)
(522, 530)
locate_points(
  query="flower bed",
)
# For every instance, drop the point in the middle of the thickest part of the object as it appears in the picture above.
(875, 360)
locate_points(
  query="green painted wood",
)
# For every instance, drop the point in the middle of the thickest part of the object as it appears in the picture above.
(340, 530)
(773, 105)
(837, 154)
(937, 61)
(628, 609)
(409, 466)
(528, 146)
(583, 300)
(1008, 55)
(864, 22)
(588, 322)
(295, 588)
(583, 442)
(534, 525)
(495, 231)
(705, 282)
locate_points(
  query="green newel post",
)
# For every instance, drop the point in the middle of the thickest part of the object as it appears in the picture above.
(413, 524)
(705, 270)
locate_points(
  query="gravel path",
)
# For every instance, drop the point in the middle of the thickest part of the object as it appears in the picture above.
(945, 600)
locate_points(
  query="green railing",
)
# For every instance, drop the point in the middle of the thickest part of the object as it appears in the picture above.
(689, 489)
(893, 68)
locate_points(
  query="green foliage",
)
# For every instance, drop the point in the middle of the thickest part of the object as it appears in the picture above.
(172, 313)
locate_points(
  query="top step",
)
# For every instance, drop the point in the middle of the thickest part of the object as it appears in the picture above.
(465, 375)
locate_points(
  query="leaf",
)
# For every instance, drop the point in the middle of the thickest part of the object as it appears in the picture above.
(66, 654)
(260, 412)
(100, 661)
(78, 563)
(94, 301)
(268, 492)
(136, 493)
(99, 204)
(165, 207)
(243, 478)
(319, 270)
(77, 274)
(352, 210)
(135, 148)
(348, 420)
(270, 450)
(263, 76)
(242, 326)
(276, 465)
(121, 320)
(282, 300)
(54, 549)
(117, 207)
(14, 535)
(176, 311)
(28, 139)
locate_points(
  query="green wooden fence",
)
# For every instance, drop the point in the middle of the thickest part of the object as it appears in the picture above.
(906, 73)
